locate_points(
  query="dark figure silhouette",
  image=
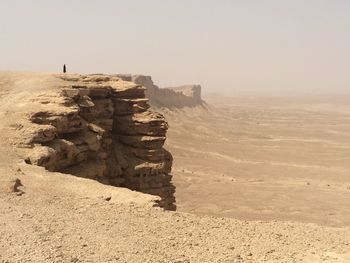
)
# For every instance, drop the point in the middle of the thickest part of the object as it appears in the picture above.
(64, 68)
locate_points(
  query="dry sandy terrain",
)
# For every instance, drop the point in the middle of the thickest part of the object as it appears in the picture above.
(61, 218)
(270, 159)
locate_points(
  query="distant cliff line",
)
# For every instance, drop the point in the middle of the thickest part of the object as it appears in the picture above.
(170, 97)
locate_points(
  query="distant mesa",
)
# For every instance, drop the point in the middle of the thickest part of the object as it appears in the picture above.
(169, 97)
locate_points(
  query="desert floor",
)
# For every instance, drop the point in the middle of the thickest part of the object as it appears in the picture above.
(264, 159)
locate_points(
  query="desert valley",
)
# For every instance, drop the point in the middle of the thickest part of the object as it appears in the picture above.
(272, 158)
(85, 176)
(194, 131)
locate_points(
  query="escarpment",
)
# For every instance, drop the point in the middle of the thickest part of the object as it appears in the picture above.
(105, 131)
(175, 97)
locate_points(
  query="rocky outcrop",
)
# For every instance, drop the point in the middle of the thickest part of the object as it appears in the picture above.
(176, 97)
(191, 92)
(106, 132)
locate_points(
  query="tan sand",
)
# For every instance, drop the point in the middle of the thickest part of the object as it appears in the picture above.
(270, 159)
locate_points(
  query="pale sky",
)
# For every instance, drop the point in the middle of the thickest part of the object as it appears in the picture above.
(228, 46)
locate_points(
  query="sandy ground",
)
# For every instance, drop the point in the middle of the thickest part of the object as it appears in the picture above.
(62, 218)
(54, 221)
(270, 159)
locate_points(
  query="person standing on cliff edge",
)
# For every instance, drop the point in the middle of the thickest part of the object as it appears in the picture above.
(64, 68)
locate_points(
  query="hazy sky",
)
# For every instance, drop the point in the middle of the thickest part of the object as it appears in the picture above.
(232, 46)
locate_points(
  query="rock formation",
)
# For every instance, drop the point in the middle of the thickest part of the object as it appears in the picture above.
(105, 131)
(176, 97)
(192, 92)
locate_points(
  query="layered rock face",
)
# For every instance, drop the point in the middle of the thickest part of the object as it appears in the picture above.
(175, 97)
(192, 92)
(106, 132)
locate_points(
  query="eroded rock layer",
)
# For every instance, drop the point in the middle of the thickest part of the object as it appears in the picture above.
(106, 132)
(174, 97)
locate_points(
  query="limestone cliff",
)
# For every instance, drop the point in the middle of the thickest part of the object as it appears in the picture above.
(103, 130)
(172, 97)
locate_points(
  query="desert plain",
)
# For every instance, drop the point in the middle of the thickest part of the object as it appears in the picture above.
(264, 158)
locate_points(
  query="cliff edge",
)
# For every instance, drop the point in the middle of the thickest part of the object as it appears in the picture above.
(171, 97)
(55, 217)
(97, 127)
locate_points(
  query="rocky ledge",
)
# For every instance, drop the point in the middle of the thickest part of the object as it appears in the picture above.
(105, 131)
